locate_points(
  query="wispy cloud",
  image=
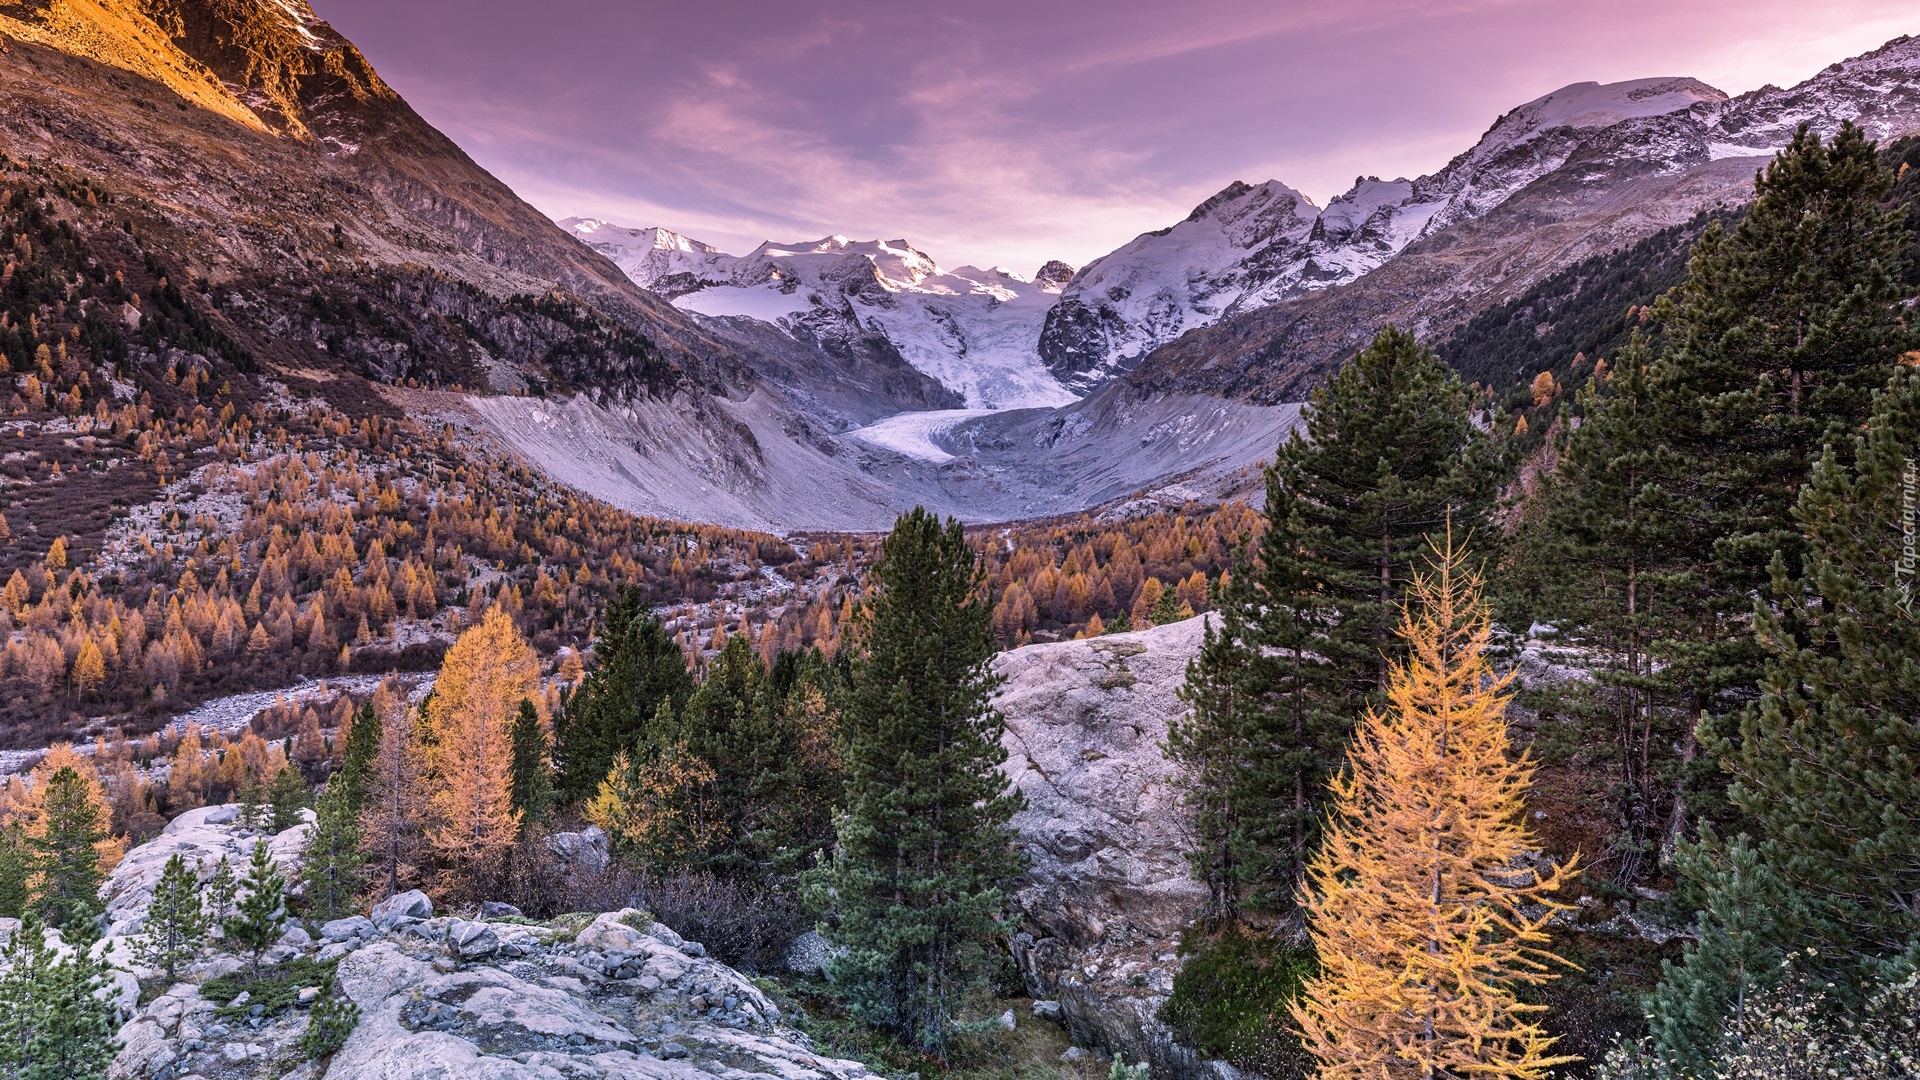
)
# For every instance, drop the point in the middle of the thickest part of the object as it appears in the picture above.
(1010, 132)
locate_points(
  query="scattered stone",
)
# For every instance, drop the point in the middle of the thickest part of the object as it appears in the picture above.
(297, 937)
(808, 954)
(472, 940)
(348, 928)
(672, 1051)
(1046, 1010)
(412, 904)
(494, 909)
(308, 994)
(1073, 1053)
(1007, 1020)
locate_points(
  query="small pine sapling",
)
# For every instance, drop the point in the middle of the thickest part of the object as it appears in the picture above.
(328, 1026)
(222, 889)
(286, 798)
(176, 920)
(250, 814)
(256, 922)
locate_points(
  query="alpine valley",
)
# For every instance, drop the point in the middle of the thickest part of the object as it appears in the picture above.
(829, 383)
(437, 640)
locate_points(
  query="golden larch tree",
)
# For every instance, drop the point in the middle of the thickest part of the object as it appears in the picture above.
(467, 740)
(1415, 897)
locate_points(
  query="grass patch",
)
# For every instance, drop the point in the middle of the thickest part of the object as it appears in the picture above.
(275, 988)
(1230, 1000)
(567, 927)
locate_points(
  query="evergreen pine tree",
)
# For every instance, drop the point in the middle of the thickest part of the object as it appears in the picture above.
(1826, 767)
(66, 863)
(176, 925)
(636, 666)
(223, 889)
(16, 867)
(731, 726)
(333, 866)
(925, 850)
(1601, 540)
(251, 812)
(1775, 343)
(286, 797)
(256, 922)
(1735, 956)
(56, 1020)
(532, 790)
(357, 757)
(1211, 742)
(1387, 454)
(1425, 927)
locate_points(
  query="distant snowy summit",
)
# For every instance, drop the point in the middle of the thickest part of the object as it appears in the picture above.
(1006, 341)
(1251, 246)
(974, 330)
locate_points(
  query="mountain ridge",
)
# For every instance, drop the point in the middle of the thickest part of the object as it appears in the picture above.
(970, 329)
(1250, 248)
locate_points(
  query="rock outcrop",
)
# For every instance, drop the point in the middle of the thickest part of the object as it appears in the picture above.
(1107, 889)
(206, 837)
(612, 997)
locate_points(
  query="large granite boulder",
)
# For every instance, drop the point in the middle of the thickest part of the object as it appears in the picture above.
(1107, 889)
(617, 1002)
(206, 836)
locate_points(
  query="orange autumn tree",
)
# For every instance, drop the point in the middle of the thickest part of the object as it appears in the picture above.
(1415, 897)
(467, 749)
(27, 803)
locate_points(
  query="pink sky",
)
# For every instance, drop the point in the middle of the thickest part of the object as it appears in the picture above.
(1003, 132)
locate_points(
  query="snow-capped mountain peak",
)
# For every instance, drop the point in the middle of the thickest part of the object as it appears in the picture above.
(1588, 105)
(1248, 246)
(972, 329)
(895, 264)
(657, 259)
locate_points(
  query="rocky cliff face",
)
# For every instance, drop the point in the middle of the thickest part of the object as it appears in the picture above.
(1107, 889)
(254, 151)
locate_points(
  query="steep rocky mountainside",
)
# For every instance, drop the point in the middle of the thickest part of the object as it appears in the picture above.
(969, 330)
(1579, 187)
(254, 145)
(240, 157)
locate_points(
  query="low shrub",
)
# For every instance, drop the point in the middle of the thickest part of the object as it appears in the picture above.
(275, 989)
(332, 1020)
(1230, 1000)
(743, 926)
